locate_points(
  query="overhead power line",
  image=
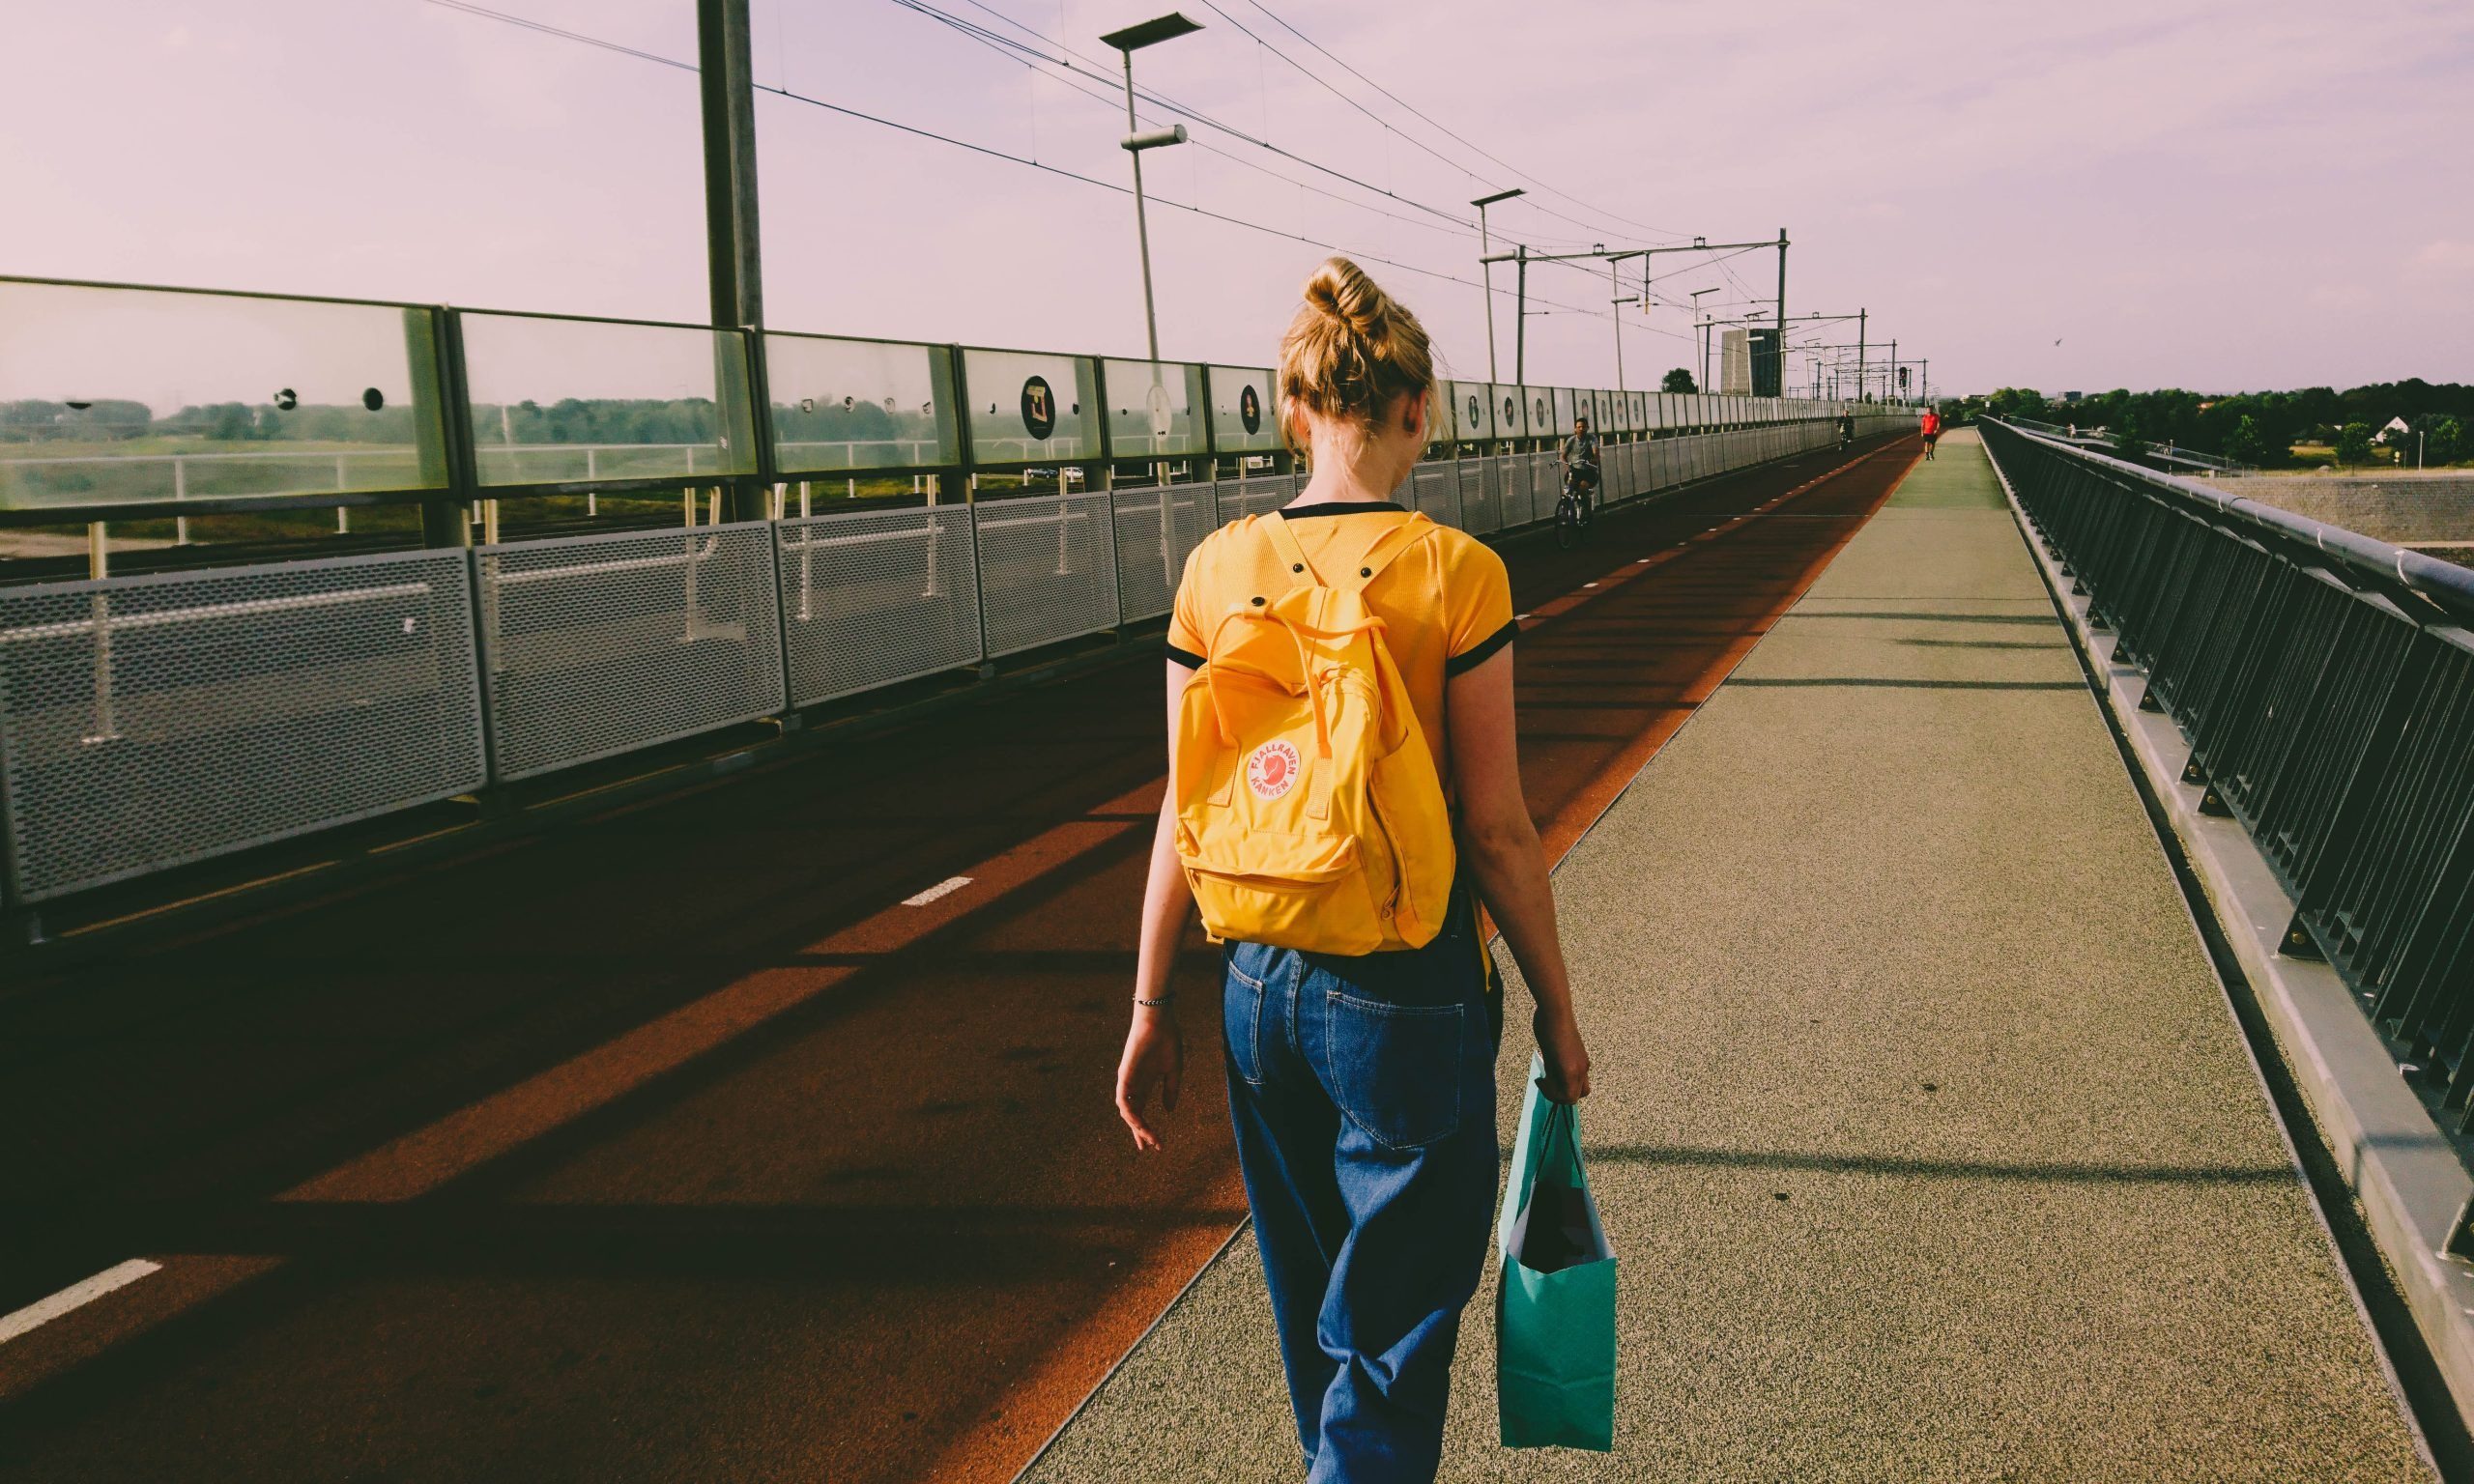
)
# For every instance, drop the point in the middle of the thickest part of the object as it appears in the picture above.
(486, 13)
(1455, 137)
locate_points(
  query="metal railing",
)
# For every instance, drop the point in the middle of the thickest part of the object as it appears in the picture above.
(151, 721)
(2093, 437)
(2325, 683)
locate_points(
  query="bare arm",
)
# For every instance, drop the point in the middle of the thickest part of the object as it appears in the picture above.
(1500, 844)
(1154, 1055)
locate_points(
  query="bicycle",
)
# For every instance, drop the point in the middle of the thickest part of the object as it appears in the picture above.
(1572, 508)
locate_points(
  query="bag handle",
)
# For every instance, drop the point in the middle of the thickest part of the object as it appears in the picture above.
(1378, 554)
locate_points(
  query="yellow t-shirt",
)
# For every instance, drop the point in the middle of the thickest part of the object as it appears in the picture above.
(1446, 603)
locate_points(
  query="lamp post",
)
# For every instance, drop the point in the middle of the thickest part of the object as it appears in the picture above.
(1486, 268)
(1128, 41)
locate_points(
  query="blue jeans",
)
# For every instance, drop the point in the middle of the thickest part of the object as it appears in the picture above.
(1364, 1095)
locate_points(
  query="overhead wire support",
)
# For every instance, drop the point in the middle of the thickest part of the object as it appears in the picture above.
(792, 94)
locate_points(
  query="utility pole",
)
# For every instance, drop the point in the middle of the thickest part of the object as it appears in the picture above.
(732, 266)
(730, 240)
(1859, 354)
(1893, 383)
(1782, 313)
(1126, 43)
(1521, 332)
(1698, 322)
(1615, 301)
(1615, 297)
(1486, 267)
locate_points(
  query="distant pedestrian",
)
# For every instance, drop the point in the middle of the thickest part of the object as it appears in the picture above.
(1930, 425)
(1345, 792)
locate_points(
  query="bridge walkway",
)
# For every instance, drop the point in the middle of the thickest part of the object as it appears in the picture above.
(758, 1128)
(1924, 1133)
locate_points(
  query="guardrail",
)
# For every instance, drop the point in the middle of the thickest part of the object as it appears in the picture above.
(2325, 683)
(154, 721)
(136, 402)
(2170, 453)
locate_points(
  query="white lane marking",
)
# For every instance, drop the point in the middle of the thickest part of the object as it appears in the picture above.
(76, 1296)
(1589, 584)
(944, 887)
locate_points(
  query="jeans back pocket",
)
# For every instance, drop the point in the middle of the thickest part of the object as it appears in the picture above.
(1241, 1021)
(1394, 1068)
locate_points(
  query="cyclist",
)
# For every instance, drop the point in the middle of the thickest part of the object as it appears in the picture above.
(1579, 456)
(1930, 425)
(1846, 430)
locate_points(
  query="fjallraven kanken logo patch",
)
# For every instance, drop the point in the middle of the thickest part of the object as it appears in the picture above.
(1272, 770)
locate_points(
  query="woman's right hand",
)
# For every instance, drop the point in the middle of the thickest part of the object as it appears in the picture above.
(1154, 1062)
(1567, 1059)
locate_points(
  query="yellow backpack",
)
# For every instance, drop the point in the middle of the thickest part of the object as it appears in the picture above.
(1310, 814)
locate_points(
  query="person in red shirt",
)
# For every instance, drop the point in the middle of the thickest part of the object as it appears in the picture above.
(1930, 425)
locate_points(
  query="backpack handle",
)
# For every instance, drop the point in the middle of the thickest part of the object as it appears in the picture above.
(1378, 554)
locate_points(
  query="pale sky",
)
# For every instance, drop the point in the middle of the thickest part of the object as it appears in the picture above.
(2216, 195)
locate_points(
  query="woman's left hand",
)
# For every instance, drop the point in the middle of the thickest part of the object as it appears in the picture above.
(1155, 1059)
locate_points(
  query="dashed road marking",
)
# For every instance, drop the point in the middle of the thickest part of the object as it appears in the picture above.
(944, 887)
(76, 1296)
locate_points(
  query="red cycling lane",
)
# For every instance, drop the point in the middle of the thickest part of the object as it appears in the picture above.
(729, 1135)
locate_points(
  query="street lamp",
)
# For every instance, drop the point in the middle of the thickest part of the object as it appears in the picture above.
(1128, 41)
(1486, 268)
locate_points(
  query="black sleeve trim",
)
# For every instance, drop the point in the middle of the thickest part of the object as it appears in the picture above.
(1186, 658)
(1479, 653)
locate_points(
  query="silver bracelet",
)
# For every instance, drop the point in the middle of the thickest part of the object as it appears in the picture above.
(1167, 999)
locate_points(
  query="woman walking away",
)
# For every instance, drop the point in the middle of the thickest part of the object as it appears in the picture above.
(1343, 794)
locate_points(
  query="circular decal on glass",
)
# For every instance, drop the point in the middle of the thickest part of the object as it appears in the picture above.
(1249, 410)
(1477, 413)
(1512, 411)
(1039, 408)
(1159, 402)
(1272, 770)
(1541, 406)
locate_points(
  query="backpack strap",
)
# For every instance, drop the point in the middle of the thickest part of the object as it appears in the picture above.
(1284, 541)
(1383, 549)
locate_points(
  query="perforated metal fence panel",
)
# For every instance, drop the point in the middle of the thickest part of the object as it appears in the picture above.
(1546, 483)
(593, 646)
(1047, 569)
(1152, 552)
(1254, 495)
(874, 597)
(1481, 513)
(1435, 489)
(147, 722)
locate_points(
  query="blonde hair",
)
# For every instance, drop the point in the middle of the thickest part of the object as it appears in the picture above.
(1352, 352)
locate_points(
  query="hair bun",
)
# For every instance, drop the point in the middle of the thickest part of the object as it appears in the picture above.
(1340, 289)
(1353, 352)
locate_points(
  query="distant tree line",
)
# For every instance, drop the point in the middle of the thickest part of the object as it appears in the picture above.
(2261, 428)
(573, 420)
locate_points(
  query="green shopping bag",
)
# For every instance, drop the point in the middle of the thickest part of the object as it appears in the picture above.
(1555, 1308)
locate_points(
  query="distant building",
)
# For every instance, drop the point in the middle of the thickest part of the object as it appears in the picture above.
(2392, 425)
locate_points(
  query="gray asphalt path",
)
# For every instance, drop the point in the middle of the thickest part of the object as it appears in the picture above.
(1924, 1134)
